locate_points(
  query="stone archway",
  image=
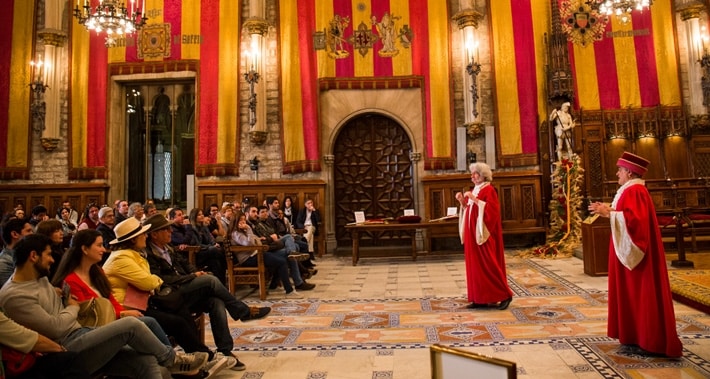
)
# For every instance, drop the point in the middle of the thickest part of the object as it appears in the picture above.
(372, 172)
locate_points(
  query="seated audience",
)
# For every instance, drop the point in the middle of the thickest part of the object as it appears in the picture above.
(73, 214)
(215, 226)
(91, 217)
(211, 254)
(182, 234)
(126, 266)
(121, 212)
(284, 245)
(309, 219)
(201, 291)
(52, 228)
(243, 235)
(289, 209)
(107, 220)
(52, 362)
(68, 226)
(12, 230)
(39, 213)
(30, 300)
(136, 210)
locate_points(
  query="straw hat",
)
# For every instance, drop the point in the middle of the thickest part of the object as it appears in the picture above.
(127, 229)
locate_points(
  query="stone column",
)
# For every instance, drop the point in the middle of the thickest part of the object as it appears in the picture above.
(255, 28)
(54, 39)
(697, 66)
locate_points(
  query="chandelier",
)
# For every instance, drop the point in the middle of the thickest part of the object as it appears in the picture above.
(623, 8)
(111, 17)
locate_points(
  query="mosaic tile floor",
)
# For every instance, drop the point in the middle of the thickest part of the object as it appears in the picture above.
(378, 319)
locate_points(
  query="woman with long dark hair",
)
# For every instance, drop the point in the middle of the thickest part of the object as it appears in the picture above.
(211, 254)
(79, 269)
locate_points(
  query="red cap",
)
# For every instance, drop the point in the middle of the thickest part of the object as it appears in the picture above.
(634, 163)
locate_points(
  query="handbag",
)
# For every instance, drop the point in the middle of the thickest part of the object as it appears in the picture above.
(168, 298)
(16, 362)
(97, 311)
(136, 298)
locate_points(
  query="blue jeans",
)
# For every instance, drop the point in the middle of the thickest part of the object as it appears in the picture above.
(154, 327)
(275, 263)
(125, 347)
(207, 294)
(292, 264)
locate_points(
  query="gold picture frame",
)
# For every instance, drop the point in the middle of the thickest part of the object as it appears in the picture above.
(452, 363)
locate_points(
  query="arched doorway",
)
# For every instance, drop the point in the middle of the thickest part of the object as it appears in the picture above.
(372, 172)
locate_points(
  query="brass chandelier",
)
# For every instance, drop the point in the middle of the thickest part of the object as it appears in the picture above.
(623, 8)
(111, 17)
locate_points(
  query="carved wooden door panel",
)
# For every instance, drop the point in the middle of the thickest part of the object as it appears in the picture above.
(372, 173)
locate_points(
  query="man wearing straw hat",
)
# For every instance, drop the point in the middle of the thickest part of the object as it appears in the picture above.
(201, 291)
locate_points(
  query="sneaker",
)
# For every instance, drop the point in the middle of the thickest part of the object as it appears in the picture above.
(256, 313)
(216, 365)
(188, 364)
(293, 295)
(305, 286)
(232, 362)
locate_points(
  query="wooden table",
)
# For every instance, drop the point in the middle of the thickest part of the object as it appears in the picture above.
(355, 230)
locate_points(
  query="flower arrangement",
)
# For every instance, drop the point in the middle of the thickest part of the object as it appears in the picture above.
(565, 219)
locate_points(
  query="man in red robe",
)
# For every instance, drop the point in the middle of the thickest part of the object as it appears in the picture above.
(640, 305)
(482, 237)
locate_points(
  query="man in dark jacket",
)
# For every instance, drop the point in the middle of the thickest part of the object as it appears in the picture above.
(309, 219)
(201, 292)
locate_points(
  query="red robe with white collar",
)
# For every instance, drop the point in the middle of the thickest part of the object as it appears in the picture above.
(485, 262)
(640, 302)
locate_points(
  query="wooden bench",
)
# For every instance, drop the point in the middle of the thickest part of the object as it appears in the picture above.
(237, 274)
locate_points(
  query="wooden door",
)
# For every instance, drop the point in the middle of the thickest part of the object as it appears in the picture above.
(372, 173)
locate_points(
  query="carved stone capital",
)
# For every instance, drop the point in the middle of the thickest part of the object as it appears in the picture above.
(49, 144)
(52, 37)
(467, 17)
(256, 26)
(700, 122)
(257, 137)
(475, 129)
(329, 159)
(415, 156)
(690, 12)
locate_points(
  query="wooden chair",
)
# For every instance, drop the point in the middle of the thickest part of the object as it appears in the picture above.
(237, 274)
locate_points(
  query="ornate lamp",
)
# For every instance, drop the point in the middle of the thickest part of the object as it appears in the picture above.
(38, 107)
(112, 17)
(623, 8)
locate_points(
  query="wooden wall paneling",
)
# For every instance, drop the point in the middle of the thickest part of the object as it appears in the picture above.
(701, 156)
(677, 157)
(52, 196)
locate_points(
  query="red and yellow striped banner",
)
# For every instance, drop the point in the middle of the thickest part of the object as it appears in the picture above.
(428, 56)
(518, 29)
(17, 25)
(633, 66)
(204, 31)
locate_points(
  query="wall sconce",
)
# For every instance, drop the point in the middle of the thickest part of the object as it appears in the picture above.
(256, 28)
(254, 163)
(467, 21)
(38, 107)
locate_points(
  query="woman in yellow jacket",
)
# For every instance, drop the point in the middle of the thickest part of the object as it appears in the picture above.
(127, 266)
